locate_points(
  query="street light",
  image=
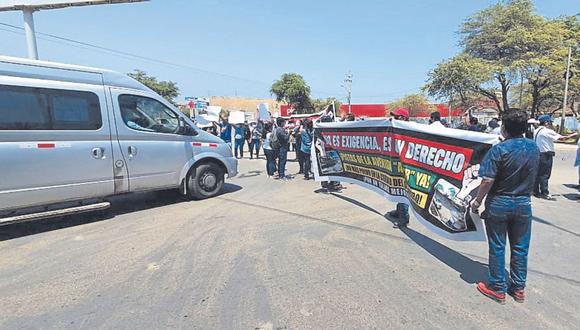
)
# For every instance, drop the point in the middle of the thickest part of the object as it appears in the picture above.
(28, 7)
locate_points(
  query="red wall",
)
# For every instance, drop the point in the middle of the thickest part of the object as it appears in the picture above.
(365, 110)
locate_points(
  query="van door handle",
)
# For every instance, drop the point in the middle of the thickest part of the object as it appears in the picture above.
(132, 151)
(98, 153)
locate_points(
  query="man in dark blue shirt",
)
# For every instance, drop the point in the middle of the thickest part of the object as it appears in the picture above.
(226, 131)
(508, 172)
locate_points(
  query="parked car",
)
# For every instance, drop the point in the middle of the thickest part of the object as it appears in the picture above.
(71, 136)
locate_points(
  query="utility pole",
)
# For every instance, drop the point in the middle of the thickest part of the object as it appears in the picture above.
(348, 87)
(450, 110)
(566, 91)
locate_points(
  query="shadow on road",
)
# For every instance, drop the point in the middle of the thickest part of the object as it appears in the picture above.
(250, 174)
(357, 203)
(572, 197)
(572, 186)
(548, 223)
(471, 271)
(119, 205)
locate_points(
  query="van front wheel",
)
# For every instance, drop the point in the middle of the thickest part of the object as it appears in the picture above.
(205, 181)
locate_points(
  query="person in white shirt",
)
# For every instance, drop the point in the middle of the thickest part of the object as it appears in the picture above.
(494, 127)
(544, 136)
(435, 120)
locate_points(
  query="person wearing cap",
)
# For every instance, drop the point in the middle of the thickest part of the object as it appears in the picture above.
(401, 214)
(435, 120)
(544, 137)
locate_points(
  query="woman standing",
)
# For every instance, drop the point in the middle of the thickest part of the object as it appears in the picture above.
(269, 151)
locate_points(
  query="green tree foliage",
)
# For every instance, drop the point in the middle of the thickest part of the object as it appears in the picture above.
(167, 89)
(462, 79)
(502, 36)
(415, 103)
(292, 89)
(319, 105)
(510, 51)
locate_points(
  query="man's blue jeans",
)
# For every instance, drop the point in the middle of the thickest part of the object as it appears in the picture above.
(255, 145)
(239, 146)
(282, 155)
(511, 215)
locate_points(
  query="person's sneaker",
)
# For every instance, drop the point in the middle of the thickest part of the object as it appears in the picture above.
(518, 295)
(547, 197)
(498, 297)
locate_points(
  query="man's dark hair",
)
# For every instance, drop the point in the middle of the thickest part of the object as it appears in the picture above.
(436, 116)
(268, 127)
(515, 122)
(473, 120)
(307, 123)
(280, 121)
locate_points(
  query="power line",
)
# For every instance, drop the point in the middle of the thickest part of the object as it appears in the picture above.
(127, 55)
(136, 56)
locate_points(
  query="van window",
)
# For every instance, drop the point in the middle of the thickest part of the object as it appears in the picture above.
(146, 114)
(29, 108)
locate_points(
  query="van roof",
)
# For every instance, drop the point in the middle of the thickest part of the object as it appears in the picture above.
(22, 67)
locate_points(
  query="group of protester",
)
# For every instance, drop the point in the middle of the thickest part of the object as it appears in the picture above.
(274, 139)
(512, 171)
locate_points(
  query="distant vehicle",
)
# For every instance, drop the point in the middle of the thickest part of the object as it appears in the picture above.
(71, 136)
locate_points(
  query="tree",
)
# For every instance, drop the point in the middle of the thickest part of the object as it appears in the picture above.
(167, 89)
(462, 78)
(293, 90)
(319, 105)
(501, 37)
(415, 103)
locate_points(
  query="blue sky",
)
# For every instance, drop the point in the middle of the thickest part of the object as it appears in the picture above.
(389, 46)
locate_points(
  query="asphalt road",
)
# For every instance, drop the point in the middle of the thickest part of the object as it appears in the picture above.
(277, 255)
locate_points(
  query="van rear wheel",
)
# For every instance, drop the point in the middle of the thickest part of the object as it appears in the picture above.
(205, 181)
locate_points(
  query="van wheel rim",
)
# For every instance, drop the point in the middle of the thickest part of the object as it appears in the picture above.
(208, 181)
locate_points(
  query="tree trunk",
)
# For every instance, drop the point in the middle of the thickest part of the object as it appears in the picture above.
(505, 87)
(491, 96)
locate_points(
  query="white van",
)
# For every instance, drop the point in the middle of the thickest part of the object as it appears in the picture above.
(71, 135)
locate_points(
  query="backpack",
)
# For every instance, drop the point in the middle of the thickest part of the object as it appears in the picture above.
(274, 140)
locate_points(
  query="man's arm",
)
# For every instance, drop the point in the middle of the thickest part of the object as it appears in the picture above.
(484, 189)
(569, 136)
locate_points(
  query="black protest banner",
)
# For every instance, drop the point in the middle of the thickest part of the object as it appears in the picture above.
(432, 169)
